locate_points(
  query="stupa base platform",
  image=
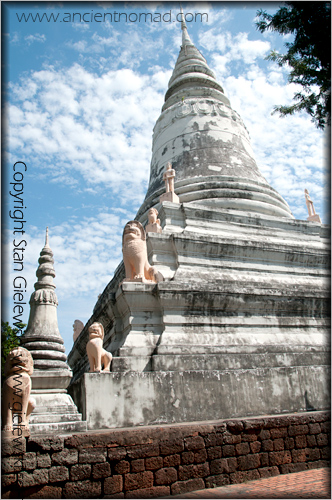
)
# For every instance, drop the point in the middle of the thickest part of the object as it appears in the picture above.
(55, 412)
(124, 399)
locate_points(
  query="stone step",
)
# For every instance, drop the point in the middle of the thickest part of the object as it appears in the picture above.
(237, 361)
(51, 418)
(58, 427)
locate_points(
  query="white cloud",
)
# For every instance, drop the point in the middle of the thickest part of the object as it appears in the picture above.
(35, 38)
(98, 127)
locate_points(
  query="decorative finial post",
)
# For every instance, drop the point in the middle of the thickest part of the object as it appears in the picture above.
(46, 238)
(185, 37)
(313, 217)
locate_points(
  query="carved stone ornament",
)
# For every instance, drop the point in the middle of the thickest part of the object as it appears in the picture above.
(135, 257)
(97, 355)
(153, 225)
(17, 404)
(313, 217)
(168, 177)
(77, 328)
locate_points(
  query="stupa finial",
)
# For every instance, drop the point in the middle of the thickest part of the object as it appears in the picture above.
(46, 239)
(185, 37)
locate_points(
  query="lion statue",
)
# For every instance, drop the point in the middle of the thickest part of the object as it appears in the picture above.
(16, 390)
(135, 257)
(96, 353)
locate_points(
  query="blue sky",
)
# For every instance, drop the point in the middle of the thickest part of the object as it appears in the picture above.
(81, 102)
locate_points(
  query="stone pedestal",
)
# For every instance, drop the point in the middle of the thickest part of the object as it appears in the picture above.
(170, 196)
(314, 218)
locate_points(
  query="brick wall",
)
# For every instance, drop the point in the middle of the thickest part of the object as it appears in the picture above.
(160, 461)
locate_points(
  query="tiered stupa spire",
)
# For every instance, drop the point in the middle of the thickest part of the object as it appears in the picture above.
(42, 337)
(55, 410)
(207, 144)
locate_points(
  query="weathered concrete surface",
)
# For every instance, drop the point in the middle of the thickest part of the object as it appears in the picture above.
(239, 327)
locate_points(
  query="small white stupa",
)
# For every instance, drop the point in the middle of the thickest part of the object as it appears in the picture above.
(55, 409)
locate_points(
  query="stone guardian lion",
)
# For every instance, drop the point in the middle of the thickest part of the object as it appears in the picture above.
(97, 355)
(16, 390)
(135, 257)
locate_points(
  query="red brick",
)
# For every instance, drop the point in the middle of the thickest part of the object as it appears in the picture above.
(113, 485)
(115, 495)
(211, 440)
(39, 476)
(244, 476)
(187, 457)
(116, 453)
(314, 428)
(43, 460)
(38, 443)
(280, 457)
(300, 441)
(8, 479)
(122, 467)
(235, 426)
(214, 452)
(154, 492)
(325, 453)
(92, 455)
(248, 462)
(322, 439)
(80, 472)
(242, 448)
(231, 438)
(255, 447)
(269, 471)
(278, 432)
(289, 443)
(137, 465)
(264, 459)
(58, 473)
(216, 481)
(139, 480)
(101, 470)
(228, 450)
(165, 476)
(43, 492)
(82, 489)
(170, 447)
(249, 437)
(264, 434)
(153, 463)
(194, 443)
(11, 464)
(29, 461)
(312, 454)
(200, 456)
(232, 464)
(143, 451)
(278, 444)
(172, 461)
(298, 430)
(65, 457)
(219, 466)
(191, 471)
(298, 455)
(185, 486)
(311, 440)
(288, 468)
(267, 445)
(326, 427)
